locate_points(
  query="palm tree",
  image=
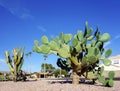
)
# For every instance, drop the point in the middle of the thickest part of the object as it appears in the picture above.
(28, 54)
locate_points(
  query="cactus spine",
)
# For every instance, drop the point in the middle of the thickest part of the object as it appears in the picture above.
(17, 62)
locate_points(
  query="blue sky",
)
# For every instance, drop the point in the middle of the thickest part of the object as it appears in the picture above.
(23, 21)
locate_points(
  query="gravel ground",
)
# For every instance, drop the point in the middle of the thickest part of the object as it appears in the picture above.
(46, 85)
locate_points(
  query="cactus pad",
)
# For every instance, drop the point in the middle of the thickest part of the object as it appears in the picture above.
(107, 62)
(111, 74)
(105, 37)
(108, 53)
(67, 38)
(53, 46)
(45, 49)
(44, 40)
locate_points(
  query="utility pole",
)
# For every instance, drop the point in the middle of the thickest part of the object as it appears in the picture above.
(60, 72)
(45, 56)
(27, 54)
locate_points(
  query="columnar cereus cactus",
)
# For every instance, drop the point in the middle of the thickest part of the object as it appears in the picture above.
(80, 53)
(17, 62)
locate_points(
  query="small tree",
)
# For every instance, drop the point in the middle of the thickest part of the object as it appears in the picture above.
(57, 72)
(49, 67)
(80, 53)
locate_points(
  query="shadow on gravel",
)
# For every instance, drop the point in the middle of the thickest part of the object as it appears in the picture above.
(31, 80)
(82, 81)
(117, 79)
(70, 82)
(61, 82)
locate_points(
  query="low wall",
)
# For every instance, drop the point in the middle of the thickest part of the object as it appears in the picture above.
(117, 74)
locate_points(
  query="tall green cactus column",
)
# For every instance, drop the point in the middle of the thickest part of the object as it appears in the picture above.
(80, 53)
(17, 62)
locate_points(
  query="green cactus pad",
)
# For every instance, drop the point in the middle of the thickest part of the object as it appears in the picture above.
(108, 53)
(91, 59)
(37, 49)
(63, 52)
(98, 44)
(44, 40)
(58, 42)
(74, 42)
(101, 70)
(107, 62)
(53, 46)
(101, 79)
(57, 38)
(45, 49)
(67, 38)
(61, 37)
(111, 74)
(20, 52)
(105, 82)
(8, 60)
(89, 33)
(92, 51)
(93, 42)
(36, 42)
(110, 83)
(18, 60)
(20, 65)
(84, 41)
(96, 52)
(88, 45)
(91, 75)
(78, 48)
(80, 35)
(105, 37)
(66, 46)
(98, 35)
(75, 36)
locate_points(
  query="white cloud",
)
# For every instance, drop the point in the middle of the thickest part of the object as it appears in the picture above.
(117, 37)
(22, 13)
(2, 60)
(41, 28)
(26, 15)
(107, 43)
(16, 10)
(110, 42)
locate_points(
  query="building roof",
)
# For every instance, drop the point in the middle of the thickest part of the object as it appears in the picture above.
(115, 57)
(113, 66)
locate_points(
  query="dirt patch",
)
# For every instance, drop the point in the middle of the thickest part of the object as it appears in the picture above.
(46, 85)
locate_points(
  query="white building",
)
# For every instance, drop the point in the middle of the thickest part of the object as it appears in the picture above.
(115, 66)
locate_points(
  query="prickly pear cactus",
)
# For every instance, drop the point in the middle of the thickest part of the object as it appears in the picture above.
(80, 53)
(17, 62)
(107, 82)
